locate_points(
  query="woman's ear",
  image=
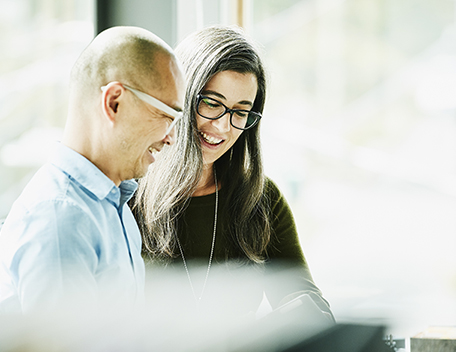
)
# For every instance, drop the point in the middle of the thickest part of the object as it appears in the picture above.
(110, 100)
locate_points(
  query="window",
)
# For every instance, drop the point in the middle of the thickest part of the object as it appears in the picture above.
(40, 42)
(359, 131)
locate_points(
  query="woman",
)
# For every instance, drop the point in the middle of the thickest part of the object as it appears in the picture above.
(206, 198)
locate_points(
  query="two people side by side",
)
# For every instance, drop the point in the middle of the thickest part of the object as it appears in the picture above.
(205, 199)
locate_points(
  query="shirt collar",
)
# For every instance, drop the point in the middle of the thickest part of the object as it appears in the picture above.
(127, 189)
(88, 175)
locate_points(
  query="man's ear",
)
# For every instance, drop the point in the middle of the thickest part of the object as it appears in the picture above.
(110, 100)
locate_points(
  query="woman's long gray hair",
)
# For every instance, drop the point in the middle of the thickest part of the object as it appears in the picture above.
(163, 193)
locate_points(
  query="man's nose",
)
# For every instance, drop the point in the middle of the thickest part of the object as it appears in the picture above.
(170, 137)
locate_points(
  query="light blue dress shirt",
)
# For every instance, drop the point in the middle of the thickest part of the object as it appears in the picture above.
(70, 238)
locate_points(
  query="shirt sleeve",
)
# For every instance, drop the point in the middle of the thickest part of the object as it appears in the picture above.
(54, 256)
(287, 271)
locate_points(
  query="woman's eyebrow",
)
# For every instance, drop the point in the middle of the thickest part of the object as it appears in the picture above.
(211, 92)
(221, 96)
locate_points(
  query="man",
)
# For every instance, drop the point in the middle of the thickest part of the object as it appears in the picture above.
(70, 238)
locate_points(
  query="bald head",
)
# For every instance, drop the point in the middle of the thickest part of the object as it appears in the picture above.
(125, 54)
(114, 128)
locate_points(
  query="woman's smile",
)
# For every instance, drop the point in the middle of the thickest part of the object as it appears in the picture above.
(212, 141)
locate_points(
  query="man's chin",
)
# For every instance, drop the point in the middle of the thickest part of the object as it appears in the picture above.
(142, 168)
(140, 173)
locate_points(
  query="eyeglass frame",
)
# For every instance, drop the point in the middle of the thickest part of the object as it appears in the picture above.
(149, 99)
(200, 97)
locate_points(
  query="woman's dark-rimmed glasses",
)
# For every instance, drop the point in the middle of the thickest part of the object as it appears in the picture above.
(213, 109)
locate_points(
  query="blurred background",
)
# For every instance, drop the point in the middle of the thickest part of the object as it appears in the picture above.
(359, 130)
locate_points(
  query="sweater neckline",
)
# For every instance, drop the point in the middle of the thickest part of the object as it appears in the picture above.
(206, 199)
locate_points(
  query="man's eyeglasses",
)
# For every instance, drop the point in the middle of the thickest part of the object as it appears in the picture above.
(155, 103)
(213, 109)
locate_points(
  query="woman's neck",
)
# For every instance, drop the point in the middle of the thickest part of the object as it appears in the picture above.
(206, 184)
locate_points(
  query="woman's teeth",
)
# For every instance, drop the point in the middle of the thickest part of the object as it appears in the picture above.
(209, 139)
(153, 151)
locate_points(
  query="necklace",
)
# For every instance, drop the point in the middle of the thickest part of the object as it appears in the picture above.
(198, 299)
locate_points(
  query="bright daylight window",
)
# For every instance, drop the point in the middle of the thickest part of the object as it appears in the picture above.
(360, 133)
(41, 39)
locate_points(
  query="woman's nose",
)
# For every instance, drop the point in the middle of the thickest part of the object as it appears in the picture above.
(223, 123)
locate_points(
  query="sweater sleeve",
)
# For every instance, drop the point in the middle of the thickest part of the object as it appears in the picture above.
(287, 271)
(284, 243)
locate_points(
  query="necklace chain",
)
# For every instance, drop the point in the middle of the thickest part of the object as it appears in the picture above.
(198, 299)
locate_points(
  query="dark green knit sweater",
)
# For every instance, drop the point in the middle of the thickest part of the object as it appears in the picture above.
(284, 272)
